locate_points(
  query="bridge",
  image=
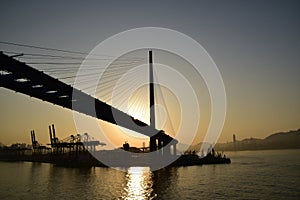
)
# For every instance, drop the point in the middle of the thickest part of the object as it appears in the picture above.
(20, 77)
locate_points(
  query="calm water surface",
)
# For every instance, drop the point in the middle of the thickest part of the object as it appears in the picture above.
(252, 175)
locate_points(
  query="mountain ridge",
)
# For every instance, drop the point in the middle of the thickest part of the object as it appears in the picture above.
(279, 140)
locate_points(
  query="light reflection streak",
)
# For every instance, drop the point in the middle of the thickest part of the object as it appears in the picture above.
(139, 184)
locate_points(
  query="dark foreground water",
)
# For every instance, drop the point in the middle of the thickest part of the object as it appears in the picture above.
(252, 175)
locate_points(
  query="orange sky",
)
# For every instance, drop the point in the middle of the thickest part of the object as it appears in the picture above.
(255, 46)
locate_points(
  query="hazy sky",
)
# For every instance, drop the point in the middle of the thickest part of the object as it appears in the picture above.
(255, 44)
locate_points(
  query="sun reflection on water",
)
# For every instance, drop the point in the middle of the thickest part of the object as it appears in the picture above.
(139, 184)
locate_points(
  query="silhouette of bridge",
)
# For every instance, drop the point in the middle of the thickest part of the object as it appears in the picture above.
(22, 78)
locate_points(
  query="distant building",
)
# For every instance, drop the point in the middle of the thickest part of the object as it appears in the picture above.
(234, 142)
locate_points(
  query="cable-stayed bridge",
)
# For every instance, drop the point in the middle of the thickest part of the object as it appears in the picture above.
(20, 77)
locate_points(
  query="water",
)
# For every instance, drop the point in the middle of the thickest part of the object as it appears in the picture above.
(252, 175)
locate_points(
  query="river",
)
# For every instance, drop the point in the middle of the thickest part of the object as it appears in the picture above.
(270, 174)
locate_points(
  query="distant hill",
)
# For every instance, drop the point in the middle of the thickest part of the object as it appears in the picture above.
(281, 140)
(281, 135)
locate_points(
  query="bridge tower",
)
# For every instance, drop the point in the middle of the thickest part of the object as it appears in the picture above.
(160, 139)
(153, 146)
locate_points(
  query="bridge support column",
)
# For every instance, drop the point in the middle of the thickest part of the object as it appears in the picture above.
(159, 147)
(153, 146)
(166, 149)
(174, 149)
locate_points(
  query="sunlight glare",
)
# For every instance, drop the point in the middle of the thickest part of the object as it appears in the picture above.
(139, 184)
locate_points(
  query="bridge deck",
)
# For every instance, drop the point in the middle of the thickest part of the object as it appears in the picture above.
(22, 78)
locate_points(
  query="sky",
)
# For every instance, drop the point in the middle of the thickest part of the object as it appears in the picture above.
(255, 45)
